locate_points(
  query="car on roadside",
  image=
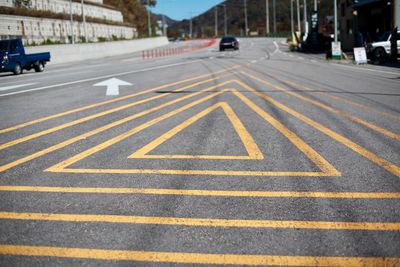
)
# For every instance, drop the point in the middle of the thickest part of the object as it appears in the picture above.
(228, 42)
(14, 59)
(380, 51)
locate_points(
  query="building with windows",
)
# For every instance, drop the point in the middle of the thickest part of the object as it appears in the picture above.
(104, 22)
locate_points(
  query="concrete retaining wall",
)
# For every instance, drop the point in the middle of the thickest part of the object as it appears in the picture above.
(79, 52)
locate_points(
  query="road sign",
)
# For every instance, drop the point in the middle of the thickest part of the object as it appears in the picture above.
(336, 51)
(360, 55)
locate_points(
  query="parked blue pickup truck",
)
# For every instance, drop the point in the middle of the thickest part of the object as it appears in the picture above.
(14, 59)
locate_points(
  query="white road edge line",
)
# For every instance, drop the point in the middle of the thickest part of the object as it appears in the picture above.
(100, 77)
(15, 86)
(361, 69)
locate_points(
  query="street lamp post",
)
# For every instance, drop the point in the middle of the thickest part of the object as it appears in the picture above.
(191, 26)
(291, 17)
(72, 22)
(274, 13)
(266, 17)
(225, 21)
(148, 17)
(298, 16)
(245, 18)
(335, 22)
(216, 20)
(305, 19)
(84, 20)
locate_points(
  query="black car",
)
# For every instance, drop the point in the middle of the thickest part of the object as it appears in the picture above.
(228, 42)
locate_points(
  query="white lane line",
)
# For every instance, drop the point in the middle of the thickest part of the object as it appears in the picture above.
(254, 61)
(300, 58)
(68, 71)
(131, 59)
(15, 86)
(366, 69)
(100, 77)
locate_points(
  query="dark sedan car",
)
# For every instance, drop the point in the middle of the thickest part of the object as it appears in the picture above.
(228, 42)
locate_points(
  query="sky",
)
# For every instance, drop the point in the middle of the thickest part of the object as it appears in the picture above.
(183, 9)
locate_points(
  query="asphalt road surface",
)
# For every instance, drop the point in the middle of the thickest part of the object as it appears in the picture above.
(251, 157)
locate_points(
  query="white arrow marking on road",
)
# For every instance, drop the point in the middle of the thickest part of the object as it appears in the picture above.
(15, 86)
(113, 85)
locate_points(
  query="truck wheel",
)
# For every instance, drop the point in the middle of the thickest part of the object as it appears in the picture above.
(17, 69)
(39, 67)
(379, 55)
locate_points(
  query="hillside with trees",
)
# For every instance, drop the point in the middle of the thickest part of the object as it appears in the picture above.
(204, 24)
(134, 13)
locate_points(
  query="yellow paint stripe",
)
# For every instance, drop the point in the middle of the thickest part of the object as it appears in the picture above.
(62, 165)
(330, 109)
(337, 98)
(195, 258)
(323, 164)
(101, 129)
(326, 167)
(19, 126)
(203, 222)
(253, 151)
(392, 168)
(100, 114)
(206, 193)
(190, 172)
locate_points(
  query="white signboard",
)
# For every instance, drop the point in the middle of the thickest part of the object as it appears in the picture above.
(336, 50)
(360, 55)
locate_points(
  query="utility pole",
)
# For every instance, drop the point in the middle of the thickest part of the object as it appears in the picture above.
(245, 18)
(148, 17)
(191, 26)
(266, 17)
(164, 26)
(274, 13)
(291, 17)
(335, 23)
(72, 22)
(225, 22)
(315, 5)
(305, 18)
(298, 16)
(84, 21)
(216, 20)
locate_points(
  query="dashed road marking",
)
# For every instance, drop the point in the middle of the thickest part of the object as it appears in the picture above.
(10, 87)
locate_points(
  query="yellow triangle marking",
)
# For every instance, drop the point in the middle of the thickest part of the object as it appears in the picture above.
(252, 149)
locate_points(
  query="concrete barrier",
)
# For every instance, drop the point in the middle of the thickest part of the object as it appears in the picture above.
(79, 52)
